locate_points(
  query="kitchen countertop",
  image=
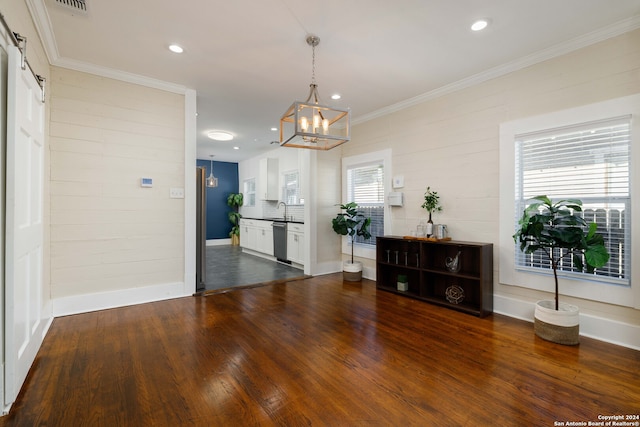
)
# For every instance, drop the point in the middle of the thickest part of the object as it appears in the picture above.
(293, 221)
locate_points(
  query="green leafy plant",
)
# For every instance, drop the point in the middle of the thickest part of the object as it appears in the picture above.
(552, 227)
(235, 200)
(351, 223)
(431, 202)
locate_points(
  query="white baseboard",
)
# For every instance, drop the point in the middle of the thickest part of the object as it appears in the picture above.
(607, 330)
(336, 267)
(322, 268)
(104, 300)
(369, 273)
(218, 242)
(259, 254)
(610, 331)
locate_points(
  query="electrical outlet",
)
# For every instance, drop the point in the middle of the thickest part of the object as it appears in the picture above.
(176, 193)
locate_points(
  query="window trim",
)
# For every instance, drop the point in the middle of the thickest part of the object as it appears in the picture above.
(368, 251)
(509, 273)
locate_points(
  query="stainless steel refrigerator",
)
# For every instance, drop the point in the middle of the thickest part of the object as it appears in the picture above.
(201, 229)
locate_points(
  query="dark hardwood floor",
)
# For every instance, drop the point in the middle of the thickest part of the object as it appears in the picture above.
(318, 352)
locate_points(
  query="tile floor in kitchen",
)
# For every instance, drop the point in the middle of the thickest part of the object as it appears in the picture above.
(228, 266)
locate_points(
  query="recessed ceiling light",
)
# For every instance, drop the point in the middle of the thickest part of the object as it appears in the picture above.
(274, 129)
(480, 24)
(336, 96)
(175, 48)
(236, 148)
(219, 135)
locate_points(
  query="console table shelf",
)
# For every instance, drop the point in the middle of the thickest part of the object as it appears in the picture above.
(457, 275)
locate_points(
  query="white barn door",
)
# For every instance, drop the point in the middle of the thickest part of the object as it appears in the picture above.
(25, 320)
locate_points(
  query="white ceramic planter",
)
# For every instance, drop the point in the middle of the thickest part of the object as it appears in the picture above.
(561, 326)
(352, 271)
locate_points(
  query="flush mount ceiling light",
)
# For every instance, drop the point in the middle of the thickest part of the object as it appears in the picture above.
(219, 135)
(480, 24)
(212, 181)
(310, 124)
(175, 48)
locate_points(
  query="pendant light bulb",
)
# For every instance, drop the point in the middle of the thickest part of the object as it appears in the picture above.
(212, 181)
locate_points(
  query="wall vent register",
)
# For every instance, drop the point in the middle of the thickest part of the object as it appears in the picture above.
(77, 5)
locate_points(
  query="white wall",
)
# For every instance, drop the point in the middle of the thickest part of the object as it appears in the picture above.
(451, 143)
(108, 234)
(325, 196)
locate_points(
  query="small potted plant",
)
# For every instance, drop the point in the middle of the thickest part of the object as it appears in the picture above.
(431, 204)
(554, 229)
(351, 223)
(235, 200)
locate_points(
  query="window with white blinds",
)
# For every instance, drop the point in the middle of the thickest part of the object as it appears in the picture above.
(589, 162)
(250, 192)
(291, 189)
(365, 186)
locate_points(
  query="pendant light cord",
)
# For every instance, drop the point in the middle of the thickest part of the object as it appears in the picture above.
(313, 63)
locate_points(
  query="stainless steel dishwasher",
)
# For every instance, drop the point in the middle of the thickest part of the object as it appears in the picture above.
(280, 241)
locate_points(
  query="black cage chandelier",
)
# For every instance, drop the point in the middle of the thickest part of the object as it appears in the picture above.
(310, 124)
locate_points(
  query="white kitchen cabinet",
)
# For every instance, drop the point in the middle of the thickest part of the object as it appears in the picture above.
(248, 234)
(268, 179)
(265, 239)
(295, 243)
(256, 235)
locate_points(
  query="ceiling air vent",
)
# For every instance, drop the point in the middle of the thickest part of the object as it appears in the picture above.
(77, 5)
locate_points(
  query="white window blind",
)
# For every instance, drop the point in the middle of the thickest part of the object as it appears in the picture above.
(365, 186)
(291, 189)
(250, 192)
(589, 162)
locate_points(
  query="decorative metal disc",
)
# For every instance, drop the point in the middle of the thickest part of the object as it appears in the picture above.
(454, 294)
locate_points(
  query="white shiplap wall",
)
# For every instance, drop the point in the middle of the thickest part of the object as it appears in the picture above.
(451, 143)
(108, 234)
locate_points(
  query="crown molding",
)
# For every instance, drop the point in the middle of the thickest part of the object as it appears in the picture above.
(120, 75)
(591, 38)
(44, 28)
(42, 22)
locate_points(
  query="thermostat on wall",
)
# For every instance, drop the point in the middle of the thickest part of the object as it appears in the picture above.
(396, 198)
(146, 182)
(398, 181)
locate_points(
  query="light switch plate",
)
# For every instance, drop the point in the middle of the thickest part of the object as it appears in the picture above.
(398, 181)
(176, 193)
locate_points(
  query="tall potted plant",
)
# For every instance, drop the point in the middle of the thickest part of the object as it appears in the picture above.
(431, 204)
(235, 200)
(351, 223)
(554, 229)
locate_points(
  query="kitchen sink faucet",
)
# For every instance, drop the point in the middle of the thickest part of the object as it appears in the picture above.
(285, 209)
